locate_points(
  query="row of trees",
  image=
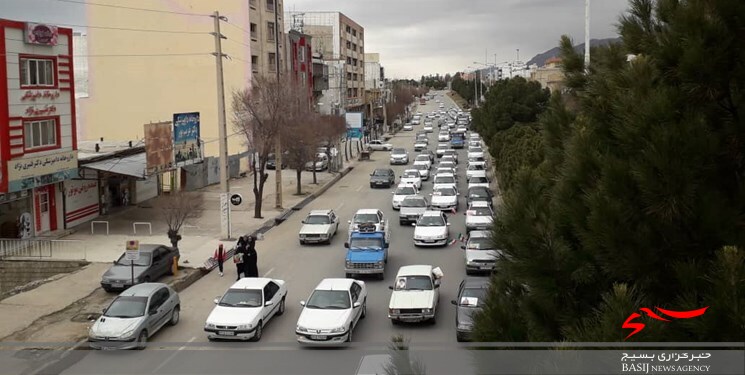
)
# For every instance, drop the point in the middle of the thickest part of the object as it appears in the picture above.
(465, 88)
(436, 82)
(626, 191)
(275, 109)
(404, 94)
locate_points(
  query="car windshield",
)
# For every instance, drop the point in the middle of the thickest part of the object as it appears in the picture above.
(442, 147)
(422, 158)
(317, 219)
(475, 167)
(475, 149)
(447, 192)
(241, 298)
(126, 307)
(479, 243)
(447, 164)
(366, 218)
(411, 174)
(143, 261)
(414, 202)
(472, 297)
(421, 167)
(398, 151)
(365, 243)
(329, 299)
(478, 193)
(444, 180)
(413, 283)
(480, 211)
(405, 190)
(381, 172)
(477, 158)
(430, 221)
(477, 180)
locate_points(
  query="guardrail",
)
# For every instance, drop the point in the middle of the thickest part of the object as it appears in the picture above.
(146, 223)
(40, 249)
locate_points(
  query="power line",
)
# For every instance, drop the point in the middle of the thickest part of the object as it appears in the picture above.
(237, 42)
(133, 8)
(133, 29)
(238, 27)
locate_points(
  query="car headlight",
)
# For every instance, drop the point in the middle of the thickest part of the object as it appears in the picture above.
(325, 235)
(464, 326)
(301, 329)
(244, 326)
(338, 330)
(302, 236)
(427, 311)
(129, 333)
(349, 263)
(209, 326)
(380, 263)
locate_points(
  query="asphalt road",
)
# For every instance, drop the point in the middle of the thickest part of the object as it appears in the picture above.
(302, 267)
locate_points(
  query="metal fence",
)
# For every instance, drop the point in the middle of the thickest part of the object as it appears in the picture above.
(40, 249)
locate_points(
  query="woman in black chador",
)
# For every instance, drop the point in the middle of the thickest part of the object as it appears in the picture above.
(239, 258)
(250, 261)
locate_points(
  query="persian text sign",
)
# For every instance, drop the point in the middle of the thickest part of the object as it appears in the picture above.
(45, 35)
(186, 148)
(19, 169)
(159, 147)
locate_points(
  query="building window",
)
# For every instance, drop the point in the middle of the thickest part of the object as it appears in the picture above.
(255, 63)
(354, 76)
(349, 76)
(37, 72)
(349, 45)
(270, 32)
(303, 78)
(254, 31)
(40, 134)
(270, 5)
(301, 54)
(272, 61)
(354, 47)
(252, 3)
(349, 60)
(354, 32)
(354, 62)
(349, 93)
(349, 29)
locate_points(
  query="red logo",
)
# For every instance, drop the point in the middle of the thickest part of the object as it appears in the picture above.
(637, 327)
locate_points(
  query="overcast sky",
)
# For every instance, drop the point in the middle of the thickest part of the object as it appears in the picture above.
(416, 37)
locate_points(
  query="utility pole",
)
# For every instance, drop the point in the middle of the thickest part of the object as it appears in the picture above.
(223, 131)
(587, 35)
(278, 144)
(475, 91)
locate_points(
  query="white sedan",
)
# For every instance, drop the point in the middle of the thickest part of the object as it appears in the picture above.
(475, 170)
(412, 176)
(443, 137)
(421, 144)
(423, 159)
(474, 152)
(428, 128)
(431, 229)
(416, 293)
(444, 180)
(245, 309)
(410, 127)
(444, 198)
(401, 192)
(319, 226)
(423, 170)
(479, 216)
(332, 312)
(378, 145)
(478, 181)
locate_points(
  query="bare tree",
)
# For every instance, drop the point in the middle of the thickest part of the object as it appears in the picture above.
(331, 130)
(176, 209)
(260, 113)
(300, 139)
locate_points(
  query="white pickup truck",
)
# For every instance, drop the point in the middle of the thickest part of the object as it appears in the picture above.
(370, 215)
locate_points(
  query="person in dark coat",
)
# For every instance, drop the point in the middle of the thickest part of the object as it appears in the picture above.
(240, 253)
(251, 259)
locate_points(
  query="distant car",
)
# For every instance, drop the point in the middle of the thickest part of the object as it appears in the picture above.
(444, 180)
(416, 293)
(399, 156)
(479, 216)
(448, 169)
(378, 145)
(475, 170)
(451, 154)
(410, 127)
(423, 170)
(420, 145)
(475, 152)
(154, 261)
(478, 159)
(332, 312)
(411, 208)
(441, 148)
(431, 155)
(428, 128)
(472, 293)
(479, 194)
(382, 177)
(246, 308)
(432, 229)
(271, 161)
(370, 216)
(423, 159)
(473, 143)
(478, 181)
(411, 176)
(321, 163)
(319, 226)
(443, 137)
(134, 316)
(481, 255)
(401, 192)
(444, 198)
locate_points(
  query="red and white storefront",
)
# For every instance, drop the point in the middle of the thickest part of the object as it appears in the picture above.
(38, 145)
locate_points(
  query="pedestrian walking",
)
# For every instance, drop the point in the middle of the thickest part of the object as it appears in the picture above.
(251, 260)
(240, 257)
(220, 258)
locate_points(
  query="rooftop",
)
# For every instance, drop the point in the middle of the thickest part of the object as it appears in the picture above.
(415, 270)
(87, 149)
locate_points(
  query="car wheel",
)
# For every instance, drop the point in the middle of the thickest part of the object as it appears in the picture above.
(301, 242)
(259, 332)
(433, 321)
(107, 289)
(364, 309)
(395, 322)
(381, 276)
(459, 337)
(142, 340)
(281, 307)
(175, 316)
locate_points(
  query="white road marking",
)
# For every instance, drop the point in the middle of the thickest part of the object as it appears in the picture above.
(359, 188)
(170, 357)
(339, 206)
(268, 272)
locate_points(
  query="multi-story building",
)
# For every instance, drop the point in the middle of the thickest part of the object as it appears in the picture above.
(374, 84)
(550, 75)
(265, 16)
(38, 144)
(340, 41)
(301, 60)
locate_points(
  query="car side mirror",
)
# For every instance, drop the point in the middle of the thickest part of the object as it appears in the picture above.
(114, 262)
(103, 311)
(153, 312)
(268, 303)
(454, 302)
(303, 222)
(463, 247)
(357, 304)
(390, 287)
(448, 224)
(216, 300)
(302, 303)
(393, 193)
(346, 245)
(349, 221)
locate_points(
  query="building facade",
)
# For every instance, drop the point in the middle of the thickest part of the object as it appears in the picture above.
(301, 60)
(263, 24)
(374, 86)
(38, 134)
(340, 42)
(550, 75)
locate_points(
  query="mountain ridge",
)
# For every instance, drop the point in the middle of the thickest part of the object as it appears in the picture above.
(540, 59)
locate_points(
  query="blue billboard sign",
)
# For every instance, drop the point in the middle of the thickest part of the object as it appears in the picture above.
(186, 146)
(354, 133)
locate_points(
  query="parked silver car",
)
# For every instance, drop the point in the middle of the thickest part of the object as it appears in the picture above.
(154, 262)
(135, 316)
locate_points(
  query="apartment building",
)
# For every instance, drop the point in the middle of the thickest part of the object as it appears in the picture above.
(374, 85)
(340, 42)
(301, 60)
(268, 37)
(38, 144)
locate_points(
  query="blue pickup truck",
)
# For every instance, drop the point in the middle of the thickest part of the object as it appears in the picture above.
(367, 252)
(457, 140)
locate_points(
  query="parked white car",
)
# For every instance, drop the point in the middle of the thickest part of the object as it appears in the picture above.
(479, 216)
(378, 145)
(410, 126)
(246, 308)
(444, 198)
(475, 170)
(481, 256)
(319, 226)
(401, 192)
(332, 312)
(416, 293)
(444, 180)
(478, 181)
(423, 170)
(450, 155)
(445, 170)
(412, 207)
(432, 229)
(411, 176)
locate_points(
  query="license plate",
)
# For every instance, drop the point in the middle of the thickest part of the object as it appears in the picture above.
(226, 333)
(117, 285)
(318, 337)
(486, 267)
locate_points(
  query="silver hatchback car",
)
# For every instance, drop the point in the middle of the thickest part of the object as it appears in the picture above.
(134, 316)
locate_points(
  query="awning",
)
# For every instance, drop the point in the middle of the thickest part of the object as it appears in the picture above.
(133, 166)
